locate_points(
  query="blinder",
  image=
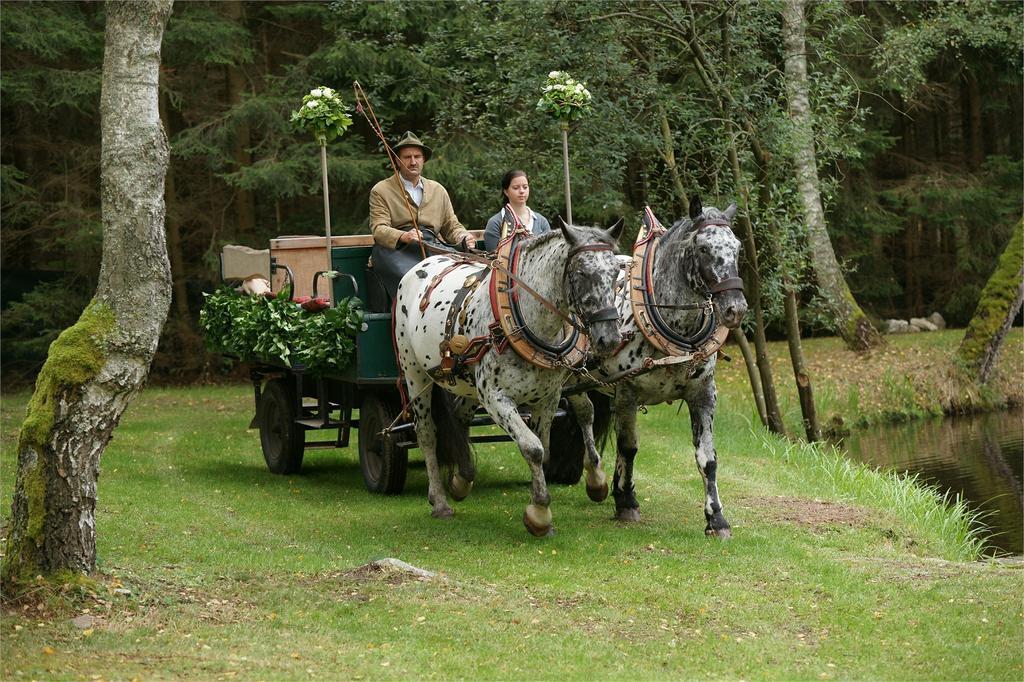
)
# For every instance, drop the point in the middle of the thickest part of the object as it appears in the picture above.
(726, 284)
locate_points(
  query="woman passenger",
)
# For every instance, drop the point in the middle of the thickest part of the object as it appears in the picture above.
(515, 191)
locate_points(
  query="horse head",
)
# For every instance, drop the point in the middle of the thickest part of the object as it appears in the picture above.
(591, 269)
(711, 261)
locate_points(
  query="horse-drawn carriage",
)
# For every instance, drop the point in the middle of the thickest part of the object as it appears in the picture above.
(547, 298)
(293, 405)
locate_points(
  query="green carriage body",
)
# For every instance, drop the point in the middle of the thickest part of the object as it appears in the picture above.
(292, 404)
(374, 362)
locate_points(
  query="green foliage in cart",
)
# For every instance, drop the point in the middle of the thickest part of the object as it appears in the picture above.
(282, 329)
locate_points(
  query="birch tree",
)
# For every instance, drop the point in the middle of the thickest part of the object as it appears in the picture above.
(851, 322)
(96, 367)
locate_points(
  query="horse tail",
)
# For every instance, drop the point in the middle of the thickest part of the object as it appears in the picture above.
(453, 449)
(603, 423)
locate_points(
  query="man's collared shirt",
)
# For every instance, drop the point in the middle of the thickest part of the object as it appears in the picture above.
(415, 191)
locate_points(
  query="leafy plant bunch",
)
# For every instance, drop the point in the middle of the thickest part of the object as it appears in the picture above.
(279, 329)
(322, 114)
(564, 97)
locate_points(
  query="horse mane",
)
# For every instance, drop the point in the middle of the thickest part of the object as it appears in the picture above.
(555, 233)
(686, 223)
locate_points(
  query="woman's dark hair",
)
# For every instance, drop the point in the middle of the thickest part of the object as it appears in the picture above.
(506, 180)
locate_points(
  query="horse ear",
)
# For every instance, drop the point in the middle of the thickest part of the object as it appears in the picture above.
(730, 211)
(615, 230)
(695, 207)
(566, 231)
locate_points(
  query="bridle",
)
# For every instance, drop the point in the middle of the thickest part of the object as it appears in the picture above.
(724, 284)
(709, 322)
(607, 314)
(562, 348)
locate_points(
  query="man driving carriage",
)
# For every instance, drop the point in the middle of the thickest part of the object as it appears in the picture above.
(390, 217)
(396, 202)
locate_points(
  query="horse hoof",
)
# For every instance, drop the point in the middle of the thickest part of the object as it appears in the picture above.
(628, 514)
(537, 520)
(597, 493)
(459, 488)
(721, 533)
(443, 513)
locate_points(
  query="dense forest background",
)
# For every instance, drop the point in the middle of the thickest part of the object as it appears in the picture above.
(917, 106)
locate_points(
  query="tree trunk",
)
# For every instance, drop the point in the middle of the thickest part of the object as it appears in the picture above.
(752, 281)
(752, 374)
(975, 141)
(1000, 301)
(912, 296)
(245, 204)
(95, 367)
(853, 325)
(668, 154)
(177, 258)
(800, 373)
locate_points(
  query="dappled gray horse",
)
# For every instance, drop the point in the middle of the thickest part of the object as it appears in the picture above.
(448, 333)
(693, 293)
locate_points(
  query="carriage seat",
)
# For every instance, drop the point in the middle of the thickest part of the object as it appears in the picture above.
(250, 267)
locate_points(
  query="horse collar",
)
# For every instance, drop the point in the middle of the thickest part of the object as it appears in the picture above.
(646, 310)
(570, 352)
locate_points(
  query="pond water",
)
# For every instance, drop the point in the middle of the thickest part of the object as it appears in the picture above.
(980, 456)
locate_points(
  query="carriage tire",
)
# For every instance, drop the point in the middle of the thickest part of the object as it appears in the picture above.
(567, 451)
(283, 441)
(384, 464)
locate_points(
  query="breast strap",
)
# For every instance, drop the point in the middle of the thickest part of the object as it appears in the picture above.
(640, 276)
(570, 352)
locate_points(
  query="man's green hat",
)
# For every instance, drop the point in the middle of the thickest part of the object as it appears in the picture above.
(410, 140)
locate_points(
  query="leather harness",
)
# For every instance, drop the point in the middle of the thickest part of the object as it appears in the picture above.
(678, 349)
(508, 328)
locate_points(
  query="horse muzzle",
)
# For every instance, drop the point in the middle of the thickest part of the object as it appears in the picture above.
(731, 307)
(603, 328)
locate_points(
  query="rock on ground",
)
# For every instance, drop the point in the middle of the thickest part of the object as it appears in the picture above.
(896, 326)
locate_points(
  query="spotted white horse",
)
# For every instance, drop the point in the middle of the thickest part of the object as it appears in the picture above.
(573, 269)
(693, 272)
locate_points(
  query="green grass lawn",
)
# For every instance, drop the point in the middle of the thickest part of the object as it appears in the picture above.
(212, 568)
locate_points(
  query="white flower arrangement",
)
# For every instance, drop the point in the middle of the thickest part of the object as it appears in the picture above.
(564, 97)
(323, 114)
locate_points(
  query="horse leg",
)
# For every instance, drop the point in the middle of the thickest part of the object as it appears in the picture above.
(461, 482)
(597, 482)
(505, 414)
(545, 416)
(419, 385)
(702, 419)
(626, 506)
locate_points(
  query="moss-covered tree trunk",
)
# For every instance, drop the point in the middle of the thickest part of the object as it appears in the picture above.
(851, 322)
(1000, 301)
(95, 367)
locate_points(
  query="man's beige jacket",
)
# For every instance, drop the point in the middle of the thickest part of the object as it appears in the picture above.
(389, 217)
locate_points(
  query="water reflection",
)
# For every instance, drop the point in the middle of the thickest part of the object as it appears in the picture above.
(980, 456)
